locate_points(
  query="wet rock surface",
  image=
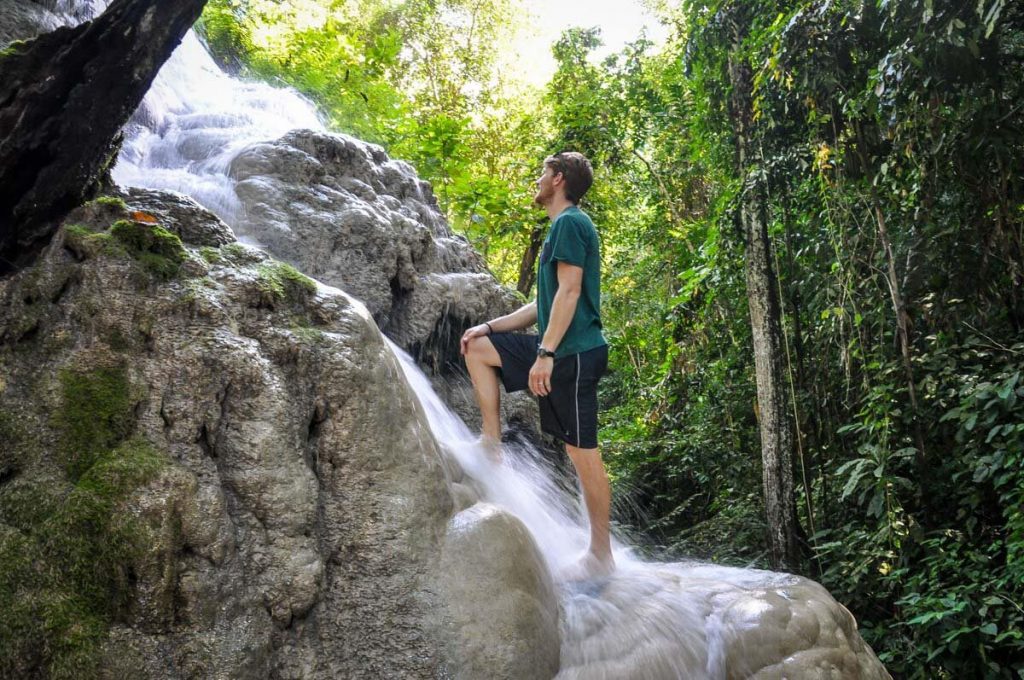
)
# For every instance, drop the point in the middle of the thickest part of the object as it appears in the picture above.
(343, 212)
(703, 621)
(22, 20)
(504, 612)
(296, 525)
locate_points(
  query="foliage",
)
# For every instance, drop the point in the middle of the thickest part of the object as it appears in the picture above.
(878, 176)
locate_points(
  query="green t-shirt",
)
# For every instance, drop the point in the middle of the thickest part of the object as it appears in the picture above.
(572, 239)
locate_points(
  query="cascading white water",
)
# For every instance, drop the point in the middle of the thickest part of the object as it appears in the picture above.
(648, 620)
(194, 121)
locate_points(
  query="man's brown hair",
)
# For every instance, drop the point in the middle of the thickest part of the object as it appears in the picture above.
(576, 170)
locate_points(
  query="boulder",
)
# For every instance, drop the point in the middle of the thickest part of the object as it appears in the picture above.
(343, 212)
(668, 621)
(502, 606)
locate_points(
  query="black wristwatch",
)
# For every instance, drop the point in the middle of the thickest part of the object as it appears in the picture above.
(541, 352)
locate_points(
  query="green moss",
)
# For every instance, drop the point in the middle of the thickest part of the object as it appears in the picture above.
(96, 413)
(296, 279)
(306, 333)
(86, 243)
(12, 434)
(118, 341)
(12, 49)
(66, 556)
(159, 251)
(211, 255)
(238, 254)
(111, 202)
(10, 429)
(277, 281)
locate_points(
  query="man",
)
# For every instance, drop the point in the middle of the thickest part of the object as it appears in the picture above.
(561, 365)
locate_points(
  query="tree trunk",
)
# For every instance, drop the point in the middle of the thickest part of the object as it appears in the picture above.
(902, 329)
(528, 265)
(766, 324)
(63, 100)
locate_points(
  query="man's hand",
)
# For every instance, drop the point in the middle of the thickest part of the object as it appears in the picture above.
(540, 376)
(474, 332)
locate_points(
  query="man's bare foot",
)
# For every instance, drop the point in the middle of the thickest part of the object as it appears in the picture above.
(491, 447)
(589, 566)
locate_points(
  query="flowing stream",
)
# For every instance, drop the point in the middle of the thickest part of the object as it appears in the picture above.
(649, 620)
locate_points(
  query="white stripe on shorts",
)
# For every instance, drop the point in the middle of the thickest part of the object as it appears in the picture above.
(579, 436)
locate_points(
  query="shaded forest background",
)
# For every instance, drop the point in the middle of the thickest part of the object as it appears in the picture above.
(889, 156)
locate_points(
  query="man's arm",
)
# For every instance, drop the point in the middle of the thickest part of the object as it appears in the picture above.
(563, 307)
(524, 317)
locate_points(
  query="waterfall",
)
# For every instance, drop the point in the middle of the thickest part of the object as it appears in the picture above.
(194, 121)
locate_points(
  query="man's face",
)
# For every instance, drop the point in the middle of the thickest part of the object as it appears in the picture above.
(545, 188)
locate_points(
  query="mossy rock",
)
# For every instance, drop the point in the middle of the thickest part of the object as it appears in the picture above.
(241, 255)
(110, 202)
(278, 281)
(66, 561)
(306, 333)
(97, 411)
(13, 436)
(13, 48)
(158, 251)
(211, 255)
(87, 243)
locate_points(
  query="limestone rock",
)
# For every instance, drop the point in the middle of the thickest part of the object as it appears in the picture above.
(341, 211)
(183, 216)
(502, 604)
(20, 20)
(296, 528)
(661, 622)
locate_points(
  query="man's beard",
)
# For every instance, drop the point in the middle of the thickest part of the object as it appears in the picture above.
(541, 199)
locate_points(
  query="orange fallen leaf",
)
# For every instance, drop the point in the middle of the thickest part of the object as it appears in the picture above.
(140, 216)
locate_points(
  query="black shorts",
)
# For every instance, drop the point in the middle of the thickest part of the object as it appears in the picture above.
(569, 411)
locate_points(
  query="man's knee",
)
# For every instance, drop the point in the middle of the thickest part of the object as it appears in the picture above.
(481, 349)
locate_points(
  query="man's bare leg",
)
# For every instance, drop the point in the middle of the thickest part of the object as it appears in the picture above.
(481, 360)
(597, 494)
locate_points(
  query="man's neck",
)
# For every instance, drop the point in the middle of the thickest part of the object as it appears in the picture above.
(557, 205)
